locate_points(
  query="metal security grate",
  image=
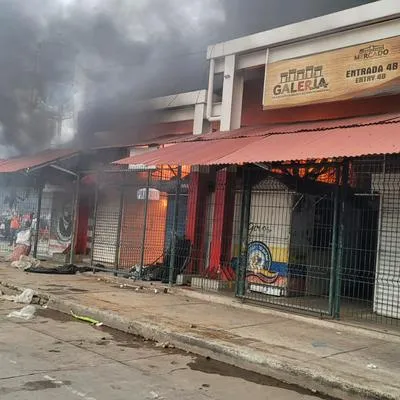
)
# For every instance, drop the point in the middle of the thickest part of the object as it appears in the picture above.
(288, 233)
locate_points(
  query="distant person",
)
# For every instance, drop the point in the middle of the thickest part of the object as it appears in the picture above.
(15, 225)
(23, 242)
(33, 222)
(27, 218)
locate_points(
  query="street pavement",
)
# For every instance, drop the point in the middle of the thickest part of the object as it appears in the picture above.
(54, 356)
(331, 358)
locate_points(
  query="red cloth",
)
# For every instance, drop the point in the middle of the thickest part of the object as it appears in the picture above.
(20, 250)
(15, 224)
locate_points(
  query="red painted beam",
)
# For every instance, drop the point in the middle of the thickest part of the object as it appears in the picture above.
(195, 225)
(220, 254)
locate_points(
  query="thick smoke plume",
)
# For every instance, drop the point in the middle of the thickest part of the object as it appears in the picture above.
(115, 51)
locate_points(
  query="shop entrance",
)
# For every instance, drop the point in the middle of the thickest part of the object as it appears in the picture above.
(360, 241)
(289, 246)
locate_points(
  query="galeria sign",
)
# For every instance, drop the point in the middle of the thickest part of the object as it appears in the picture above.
(359, 71)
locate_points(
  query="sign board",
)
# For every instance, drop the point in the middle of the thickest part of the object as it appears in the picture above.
(365, 70)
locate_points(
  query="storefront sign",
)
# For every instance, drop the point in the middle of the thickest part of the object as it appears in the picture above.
(366, 70)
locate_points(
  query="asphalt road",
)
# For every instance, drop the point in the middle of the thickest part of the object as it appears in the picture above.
(54, 357)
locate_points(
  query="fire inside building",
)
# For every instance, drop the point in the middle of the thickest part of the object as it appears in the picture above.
(282, 188)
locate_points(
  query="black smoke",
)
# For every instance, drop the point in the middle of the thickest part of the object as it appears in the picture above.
(117, 51)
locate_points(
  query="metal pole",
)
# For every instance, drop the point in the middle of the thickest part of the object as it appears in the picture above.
(121, 210)
(244, 234)
(74, 221)
(95, 208)
(341, 243)
(38, 215)
(175, 227)
(146, 207)
(332, 282)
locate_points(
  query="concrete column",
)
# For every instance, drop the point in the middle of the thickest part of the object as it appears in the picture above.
(232, 96)
(196, 217)
(237, 101)
(227, 92)
(198, 120)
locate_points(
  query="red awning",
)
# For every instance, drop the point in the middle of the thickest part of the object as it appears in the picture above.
(37, 160)
(329, 141)
(189, 153)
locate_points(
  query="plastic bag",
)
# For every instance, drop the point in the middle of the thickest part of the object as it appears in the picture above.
(25, 313)
(26, 262)
(25, 297)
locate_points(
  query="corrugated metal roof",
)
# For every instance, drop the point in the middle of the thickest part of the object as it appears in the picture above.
(41, 159)
(340, 142)
(333, 142)
(157, 141)
(265, 130)
(190, 153)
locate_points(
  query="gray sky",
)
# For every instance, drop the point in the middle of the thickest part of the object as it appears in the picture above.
(127, 49)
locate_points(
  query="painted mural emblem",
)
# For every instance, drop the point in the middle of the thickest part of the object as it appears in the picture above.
(259, 263)
(259, 256)
(64, 225)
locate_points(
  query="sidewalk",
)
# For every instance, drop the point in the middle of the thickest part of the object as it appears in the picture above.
(329, 358)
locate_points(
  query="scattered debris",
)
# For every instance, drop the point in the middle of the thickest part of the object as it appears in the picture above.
(165, 345)
(25, 313)
(155, 291)
(372, 366)
(25, 297)
(66, 269)
(26, 262)
(121, 286)
(154, 395)
(193, 326)
(87, 319)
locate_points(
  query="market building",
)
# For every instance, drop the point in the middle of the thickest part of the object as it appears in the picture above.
(294, 197)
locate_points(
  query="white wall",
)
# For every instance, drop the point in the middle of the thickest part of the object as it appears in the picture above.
(387, 276)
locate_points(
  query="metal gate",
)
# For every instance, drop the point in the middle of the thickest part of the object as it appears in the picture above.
(105, 243)
(287, 241)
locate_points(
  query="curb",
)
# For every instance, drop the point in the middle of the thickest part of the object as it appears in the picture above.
(237, 303)
(318, 380)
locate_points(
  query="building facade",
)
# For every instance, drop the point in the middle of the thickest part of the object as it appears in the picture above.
(293, 197)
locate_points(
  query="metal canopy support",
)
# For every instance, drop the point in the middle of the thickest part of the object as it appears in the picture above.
(74, 221)
(65, 170)
(334, 251)
(172, 262)
(95, 208)
(38, 215)
(120, 216)
(340, 247)
(146, 207)
(244, 233)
